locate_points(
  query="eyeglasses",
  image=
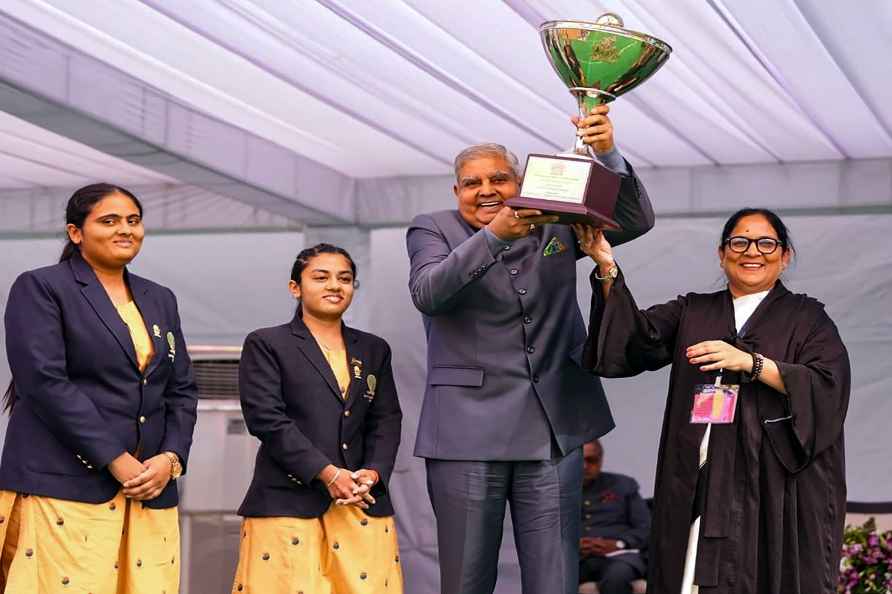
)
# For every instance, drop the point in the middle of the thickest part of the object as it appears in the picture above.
(765, 245)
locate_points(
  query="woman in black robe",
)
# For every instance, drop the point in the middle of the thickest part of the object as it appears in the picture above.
(771, 495)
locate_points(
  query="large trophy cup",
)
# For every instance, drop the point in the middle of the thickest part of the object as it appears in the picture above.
(598, 61)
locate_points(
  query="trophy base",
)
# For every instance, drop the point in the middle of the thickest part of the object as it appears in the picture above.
(575, 188)
(567, 214)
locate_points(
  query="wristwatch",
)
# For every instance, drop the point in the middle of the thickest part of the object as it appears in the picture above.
(176, 469)
(611, 274)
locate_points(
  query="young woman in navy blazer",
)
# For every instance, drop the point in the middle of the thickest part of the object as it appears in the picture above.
(102, 410)
(321, 398)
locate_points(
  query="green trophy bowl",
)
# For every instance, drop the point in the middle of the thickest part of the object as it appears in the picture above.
(600, 60)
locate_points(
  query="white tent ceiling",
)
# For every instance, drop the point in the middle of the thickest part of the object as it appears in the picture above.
(393, 89)
(35, 162)
(32, 157)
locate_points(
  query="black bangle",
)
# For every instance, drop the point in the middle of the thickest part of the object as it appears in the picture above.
(758, 362)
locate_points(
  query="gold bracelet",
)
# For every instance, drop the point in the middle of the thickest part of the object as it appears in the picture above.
(609, 275)
(176, 467)
(334, 478)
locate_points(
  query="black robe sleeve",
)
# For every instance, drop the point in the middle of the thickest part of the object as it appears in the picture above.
(624, 341)
(818, 382)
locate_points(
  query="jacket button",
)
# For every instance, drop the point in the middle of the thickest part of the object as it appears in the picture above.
(364, 522)
(65, 581)
(531, 349)
(514, 271)
(142, 420)
(535, 379)
(145, 381)
(346, 413)
(521, 291)
(527, 320)
(344, 446)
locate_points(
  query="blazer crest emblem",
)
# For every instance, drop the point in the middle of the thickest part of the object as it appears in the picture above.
(172, 346)
(372, 383)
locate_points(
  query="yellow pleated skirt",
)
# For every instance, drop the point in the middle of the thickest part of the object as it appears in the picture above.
(343, 552)
(52, 546)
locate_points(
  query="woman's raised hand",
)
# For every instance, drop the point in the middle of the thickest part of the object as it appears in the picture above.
(593, 243)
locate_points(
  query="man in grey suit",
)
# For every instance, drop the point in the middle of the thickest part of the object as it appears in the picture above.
(507, 406)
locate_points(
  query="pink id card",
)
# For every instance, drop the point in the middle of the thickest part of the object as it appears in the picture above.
(714, 403)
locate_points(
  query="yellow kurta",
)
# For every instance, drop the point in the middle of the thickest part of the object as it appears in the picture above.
(337, 360)
(117, 547)
(142, 343)
(343, 552)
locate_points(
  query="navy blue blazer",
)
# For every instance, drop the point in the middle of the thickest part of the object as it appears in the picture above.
(505, 337)
(292, 403)
(81, 400)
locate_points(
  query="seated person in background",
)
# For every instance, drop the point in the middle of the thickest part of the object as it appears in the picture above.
(615, 525)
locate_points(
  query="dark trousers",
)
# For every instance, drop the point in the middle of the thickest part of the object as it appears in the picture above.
(469, 501)
(614, 576)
